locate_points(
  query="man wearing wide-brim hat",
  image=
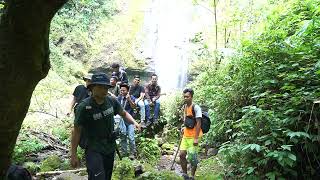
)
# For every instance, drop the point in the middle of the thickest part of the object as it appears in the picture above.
(80, 93)
(95, 118)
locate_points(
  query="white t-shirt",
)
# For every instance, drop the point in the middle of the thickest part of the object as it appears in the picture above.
(197, 111)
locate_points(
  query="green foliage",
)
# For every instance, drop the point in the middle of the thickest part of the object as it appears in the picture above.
(123, 169)
(170, 134)
(261, 102)
(31, 166)
(173, 108)
(159, 175)
(210, 168)
(25, 145)
(51, 163)
(148, 150)
(63, 134)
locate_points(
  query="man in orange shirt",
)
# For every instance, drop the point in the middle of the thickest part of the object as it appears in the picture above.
(191, 134)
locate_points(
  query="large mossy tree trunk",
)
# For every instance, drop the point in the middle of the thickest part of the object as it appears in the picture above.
(24, 61)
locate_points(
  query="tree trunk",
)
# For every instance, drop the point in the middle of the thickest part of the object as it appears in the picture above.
(24, 61)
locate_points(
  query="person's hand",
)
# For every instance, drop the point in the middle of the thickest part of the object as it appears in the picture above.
(138, 126)
(154, 99)
(195, 142)
(182, 130)
(74, 161)
(128, 97)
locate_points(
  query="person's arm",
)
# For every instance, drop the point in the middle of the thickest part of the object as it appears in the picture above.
(73, 102)
(146, 90)
(112, 95)
(75, 139)
(158, 94)
(198, 115)
(124, 114)
(142, 93)
(75, 135)
(131, 101)
(198, 127)
(127, 117)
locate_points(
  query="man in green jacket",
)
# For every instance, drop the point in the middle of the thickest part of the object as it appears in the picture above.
(95, 117)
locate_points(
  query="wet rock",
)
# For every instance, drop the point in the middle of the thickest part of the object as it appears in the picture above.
(138, 170)
(212, 152)
(167, 148)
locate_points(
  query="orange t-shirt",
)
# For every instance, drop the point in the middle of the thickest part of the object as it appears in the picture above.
(188, 132)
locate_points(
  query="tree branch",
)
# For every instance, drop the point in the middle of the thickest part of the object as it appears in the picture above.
(43, 112)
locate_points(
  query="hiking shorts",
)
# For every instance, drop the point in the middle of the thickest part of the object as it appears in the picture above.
(187, 145)
(192, 150)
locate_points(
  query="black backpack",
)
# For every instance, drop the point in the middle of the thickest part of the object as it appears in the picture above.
(205, 120)
(18, 173)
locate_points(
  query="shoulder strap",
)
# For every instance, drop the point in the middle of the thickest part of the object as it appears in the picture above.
(193, 112)
(184, 112)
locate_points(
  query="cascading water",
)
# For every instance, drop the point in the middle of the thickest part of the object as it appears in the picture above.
(168, 27)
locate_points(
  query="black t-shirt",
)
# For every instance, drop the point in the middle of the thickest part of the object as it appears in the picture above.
(97, 121)
(136, 90)
(80, 93)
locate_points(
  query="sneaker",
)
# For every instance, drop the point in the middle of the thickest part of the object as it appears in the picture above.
(185, 176)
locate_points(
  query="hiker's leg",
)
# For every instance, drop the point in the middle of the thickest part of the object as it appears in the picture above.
(183, 154)
(193, 170)
(156, 109)
(131, 139)
(147, 107)
(140, 103)
(108, 160)
(123, 139)
(95, 165)
(194, 157)
(183, 160)
(123, 144)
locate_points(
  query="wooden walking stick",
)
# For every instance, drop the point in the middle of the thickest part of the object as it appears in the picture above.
(175, 156)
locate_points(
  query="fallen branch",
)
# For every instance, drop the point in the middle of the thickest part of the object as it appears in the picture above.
(50, 173)
(43, 112)
(53, 142)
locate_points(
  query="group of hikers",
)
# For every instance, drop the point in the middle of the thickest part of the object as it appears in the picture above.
(102, 104)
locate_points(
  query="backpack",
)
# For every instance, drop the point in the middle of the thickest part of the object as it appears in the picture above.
(83, 138)
(18, 173)
(205, 120)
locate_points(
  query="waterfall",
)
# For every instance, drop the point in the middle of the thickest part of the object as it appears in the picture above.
(168, 27)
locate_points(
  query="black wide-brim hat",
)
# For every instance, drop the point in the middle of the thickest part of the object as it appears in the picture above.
(100, 79)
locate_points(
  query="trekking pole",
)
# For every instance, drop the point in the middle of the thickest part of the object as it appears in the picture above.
(175, 156)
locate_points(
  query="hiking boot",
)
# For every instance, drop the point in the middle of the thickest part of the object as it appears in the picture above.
(185, 176)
